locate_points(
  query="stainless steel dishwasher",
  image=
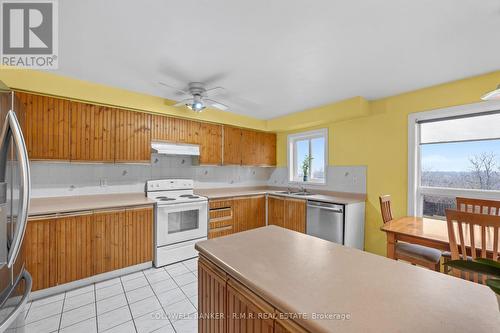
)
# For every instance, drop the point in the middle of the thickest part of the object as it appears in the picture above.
(326, 221)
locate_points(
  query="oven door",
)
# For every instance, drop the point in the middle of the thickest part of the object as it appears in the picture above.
(181, 222)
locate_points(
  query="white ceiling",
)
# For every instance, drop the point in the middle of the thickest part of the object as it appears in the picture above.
(281, 56)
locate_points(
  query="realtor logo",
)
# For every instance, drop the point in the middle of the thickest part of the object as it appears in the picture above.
(29, 33)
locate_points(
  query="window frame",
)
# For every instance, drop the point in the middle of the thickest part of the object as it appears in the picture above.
(415, 190)
(292, 154)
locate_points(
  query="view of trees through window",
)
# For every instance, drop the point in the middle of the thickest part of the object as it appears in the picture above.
(461, 165)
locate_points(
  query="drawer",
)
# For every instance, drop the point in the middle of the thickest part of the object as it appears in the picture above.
(220, 203)
(219, 232)
(221, 214)
(220, 224)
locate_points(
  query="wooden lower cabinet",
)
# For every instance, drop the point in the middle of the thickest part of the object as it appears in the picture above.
(74, 247)
(287, 213)
(69, 248)
(249, 212)
(225, 305)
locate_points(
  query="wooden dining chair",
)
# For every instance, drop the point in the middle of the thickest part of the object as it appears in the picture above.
(478, 206)
(412, 253)
(477, 237)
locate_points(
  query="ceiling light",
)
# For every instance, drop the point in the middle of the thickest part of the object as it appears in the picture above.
(492, 95)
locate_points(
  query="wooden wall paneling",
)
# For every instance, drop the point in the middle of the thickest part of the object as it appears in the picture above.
(109, 240)
(133, 136)
(295, 214)
(210, 141)
(74, 247)
(46, 126)
(92, 133)
(40, 252)
(246, 312)
(232, 146)
(138, 236)
(211, 297)
(276, 211)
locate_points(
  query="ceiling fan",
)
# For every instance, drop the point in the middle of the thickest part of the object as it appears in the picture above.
(197, 97)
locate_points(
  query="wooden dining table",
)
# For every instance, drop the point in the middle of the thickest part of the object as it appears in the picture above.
(424, 231)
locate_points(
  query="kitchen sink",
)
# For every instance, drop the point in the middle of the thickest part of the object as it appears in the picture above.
(302, 193)
(285, 192)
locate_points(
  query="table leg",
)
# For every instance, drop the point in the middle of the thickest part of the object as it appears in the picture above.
(391, 246)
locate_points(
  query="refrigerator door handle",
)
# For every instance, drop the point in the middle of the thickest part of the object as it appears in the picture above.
(21, 305)
(24, 186)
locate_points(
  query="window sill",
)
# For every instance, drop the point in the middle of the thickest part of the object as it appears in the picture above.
(306, 183)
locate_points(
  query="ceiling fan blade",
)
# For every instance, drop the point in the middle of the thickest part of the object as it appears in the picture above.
(176, 89)
(217, 105)
(215, 91)
(184, 102)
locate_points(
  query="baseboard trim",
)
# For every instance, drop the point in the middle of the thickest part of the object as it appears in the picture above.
(85, 282)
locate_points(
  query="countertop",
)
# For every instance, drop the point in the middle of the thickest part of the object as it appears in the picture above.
(298, 273)
(344, 198)
(53, 205)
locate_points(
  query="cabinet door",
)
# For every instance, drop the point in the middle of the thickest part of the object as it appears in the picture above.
(211, 297)
(133, 136)
(295, 214)
(249, 147)
(246, 312)
(249, 212)
(276, 211)
(40, 249)
(232, 146)
(210, 141)
(138, 236)
(46, 126)
(109, 241)
(267, 149)
(74, 247)
(92, 133)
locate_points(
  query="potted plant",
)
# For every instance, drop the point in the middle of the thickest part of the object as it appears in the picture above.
(483, 266)
(305, 166)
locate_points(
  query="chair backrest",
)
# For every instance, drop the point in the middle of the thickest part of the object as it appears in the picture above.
(478, 206)
(385, 208)
(477, 231)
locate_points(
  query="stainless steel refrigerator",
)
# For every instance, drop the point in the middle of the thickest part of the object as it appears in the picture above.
(15, 281)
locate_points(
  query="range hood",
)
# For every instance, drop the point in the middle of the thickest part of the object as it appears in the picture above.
(166, 148)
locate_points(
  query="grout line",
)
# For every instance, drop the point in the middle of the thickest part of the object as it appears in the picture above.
(128, 305)
(95, 302)
(189, 300)
(62, 310)
(156, 296)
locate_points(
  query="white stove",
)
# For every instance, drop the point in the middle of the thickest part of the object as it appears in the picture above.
(181, 219)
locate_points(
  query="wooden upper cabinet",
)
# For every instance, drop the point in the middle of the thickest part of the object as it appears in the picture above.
(46, 126)
(232, 145)
(92, 133)
(267, 150)
(207, 136)
(133, 136)
(210, 140)
(249, 147)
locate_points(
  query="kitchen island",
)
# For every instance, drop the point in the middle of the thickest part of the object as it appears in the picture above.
(272, 279)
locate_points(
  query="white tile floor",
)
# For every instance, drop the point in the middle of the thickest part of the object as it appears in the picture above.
(153, 300)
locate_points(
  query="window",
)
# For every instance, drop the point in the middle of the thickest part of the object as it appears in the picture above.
(307, 152)
(453, 152)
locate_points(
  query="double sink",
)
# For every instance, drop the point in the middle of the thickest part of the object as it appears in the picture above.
(301, 193)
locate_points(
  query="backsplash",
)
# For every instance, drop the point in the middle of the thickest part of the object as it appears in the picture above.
(64, 178)
(50, 179)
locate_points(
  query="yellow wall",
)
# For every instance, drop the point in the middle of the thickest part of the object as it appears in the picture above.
(361, 132)
(379, 139)
(56, 85)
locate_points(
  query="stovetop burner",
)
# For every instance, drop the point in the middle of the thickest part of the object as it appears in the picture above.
(165, 198)
(189, 196)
